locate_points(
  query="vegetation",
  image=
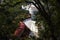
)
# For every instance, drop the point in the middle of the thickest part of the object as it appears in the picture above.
(49, 15)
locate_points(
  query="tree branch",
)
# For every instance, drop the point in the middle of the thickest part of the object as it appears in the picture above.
(42, 11)
(32, 3)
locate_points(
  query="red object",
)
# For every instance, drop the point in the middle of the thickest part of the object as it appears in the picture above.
(20, 29)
